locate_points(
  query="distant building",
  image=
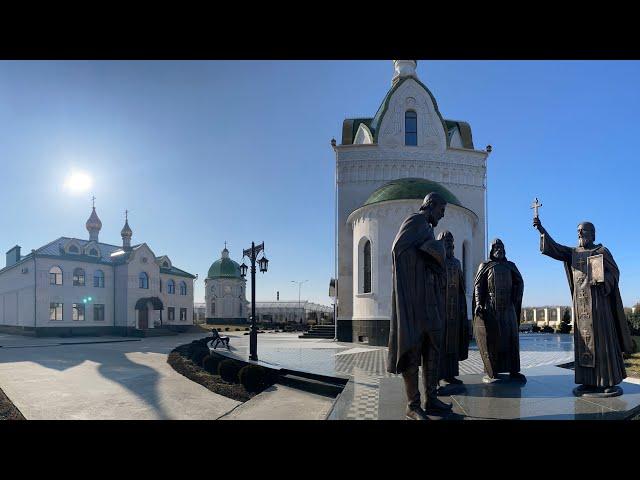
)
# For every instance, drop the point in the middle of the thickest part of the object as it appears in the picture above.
(199, 312)
(74, 286)
(302, 312)
(225, 292)
(549, 315)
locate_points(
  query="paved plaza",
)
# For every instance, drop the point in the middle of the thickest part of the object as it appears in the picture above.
(114, 378)
(374, 394)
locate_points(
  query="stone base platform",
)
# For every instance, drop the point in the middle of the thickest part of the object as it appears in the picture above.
(547, 395)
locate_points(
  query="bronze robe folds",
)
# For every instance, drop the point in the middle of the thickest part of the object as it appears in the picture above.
(417, 302)
(600, 331)
(456, 327)
(498, 287)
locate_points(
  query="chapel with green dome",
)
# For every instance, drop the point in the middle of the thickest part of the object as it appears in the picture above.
(225, 292)
(385, 165)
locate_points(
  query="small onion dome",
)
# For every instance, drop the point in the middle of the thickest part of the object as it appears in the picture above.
(94, 222)
(126, 230)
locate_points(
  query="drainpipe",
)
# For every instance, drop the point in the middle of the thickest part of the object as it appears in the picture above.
(35, 293)
(113, 280)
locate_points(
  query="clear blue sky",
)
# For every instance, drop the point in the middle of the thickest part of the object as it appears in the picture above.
(203, 152)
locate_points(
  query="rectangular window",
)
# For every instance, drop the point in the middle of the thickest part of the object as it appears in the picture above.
(171, 314)
(183, 314)
(55, 311)
(410, 128)
(78, 312)
(98, 312)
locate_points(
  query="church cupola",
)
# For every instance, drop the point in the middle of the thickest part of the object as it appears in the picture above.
(403, 69)
(94, 225)
(126, 232)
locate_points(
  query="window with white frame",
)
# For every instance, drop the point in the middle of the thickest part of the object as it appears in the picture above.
(78, 312)
(98, 279)
(55, 276)
(78, 277)
(56, 311)
(183, 288)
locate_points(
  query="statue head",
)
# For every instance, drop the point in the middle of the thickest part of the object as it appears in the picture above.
(586, 234)
(497, 252)
(433, 207)
(449, 245)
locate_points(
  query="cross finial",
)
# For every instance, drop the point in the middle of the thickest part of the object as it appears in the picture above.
(93, 201)
(535, 206)
(126, 215)
(225, 244)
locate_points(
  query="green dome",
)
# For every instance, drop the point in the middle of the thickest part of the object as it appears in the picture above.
(410, 189)
(224, 267)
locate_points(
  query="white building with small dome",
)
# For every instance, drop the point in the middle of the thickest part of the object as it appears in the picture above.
(74, 286)
(225, 292)
(385, 165)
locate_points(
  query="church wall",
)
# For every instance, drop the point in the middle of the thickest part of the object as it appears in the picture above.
(380, 223)
(17, 296)
(176, 300)
(67, 293)
(230, 299)
(136, 265)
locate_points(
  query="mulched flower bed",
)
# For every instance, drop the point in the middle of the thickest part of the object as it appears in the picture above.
(183, 365)
(8, 410)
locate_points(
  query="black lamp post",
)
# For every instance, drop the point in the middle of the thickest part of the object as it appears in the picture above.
(252, 253)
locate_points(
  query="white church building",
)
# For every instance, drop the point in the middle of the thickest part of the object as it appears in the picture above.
(225, 292)
(74, 286)
(385, 165)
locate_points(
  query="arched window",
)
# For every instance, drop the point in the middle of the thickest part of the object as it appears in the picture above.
(213, 308)
(98, 279)
(55, 276)
(78, 277)
(93, 252)
(183, 288)
(73, 249)
(366, 267)
(165, 264)
(171, 287)
(160, 285)
(143, 280)
(410, 128)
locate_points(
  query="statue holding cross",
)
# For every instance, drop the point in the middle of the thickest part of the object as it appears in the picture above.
(601, 332)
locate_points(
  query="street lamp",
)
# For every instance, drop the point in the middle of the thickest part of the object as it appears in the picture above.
(299, 289)
(252, 253)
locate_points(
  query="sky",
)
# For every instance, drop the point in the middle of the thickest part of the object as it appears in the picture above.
(203, 152)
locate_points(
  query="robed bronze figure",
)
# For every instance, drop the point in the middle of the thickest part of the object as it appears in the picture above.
(600, 332)
(417, 306)
(497, 302)
(455, 347)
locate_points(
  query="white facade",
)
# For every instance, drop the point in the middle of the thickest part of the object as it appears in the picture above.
(374, 152)
(38, 291)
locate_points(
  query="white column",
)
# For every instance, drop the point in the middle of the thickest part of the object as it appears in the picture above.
(558, 315)
(546, 316)
(572, 315)
(535, 316)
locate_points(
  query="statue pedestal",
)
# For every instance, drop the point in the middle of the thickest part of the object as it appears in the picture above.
(547, 395)
(580, 391)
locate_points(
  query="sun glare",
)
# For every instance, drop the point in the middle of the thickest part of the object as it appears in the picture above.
(78, 182)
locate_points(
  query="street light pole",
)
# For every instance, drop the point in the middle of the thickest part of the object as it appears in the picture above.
(299, 290)
(252, 253)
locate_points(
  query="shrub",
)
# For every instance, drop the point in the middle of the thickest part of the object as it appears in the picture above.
(227, 329)
(253, 378)
(547, 329)
(228, 370)
(198, 354)
(210, 364)
(535, 329)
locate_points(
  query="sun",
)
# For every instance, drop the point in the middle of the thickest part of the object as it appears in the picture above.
(78, 182)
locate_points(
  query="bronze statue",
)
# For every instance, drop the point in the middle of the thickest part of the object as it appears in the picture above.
(455, 347)
(601, 332)
(497, 302)
(417, 306)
